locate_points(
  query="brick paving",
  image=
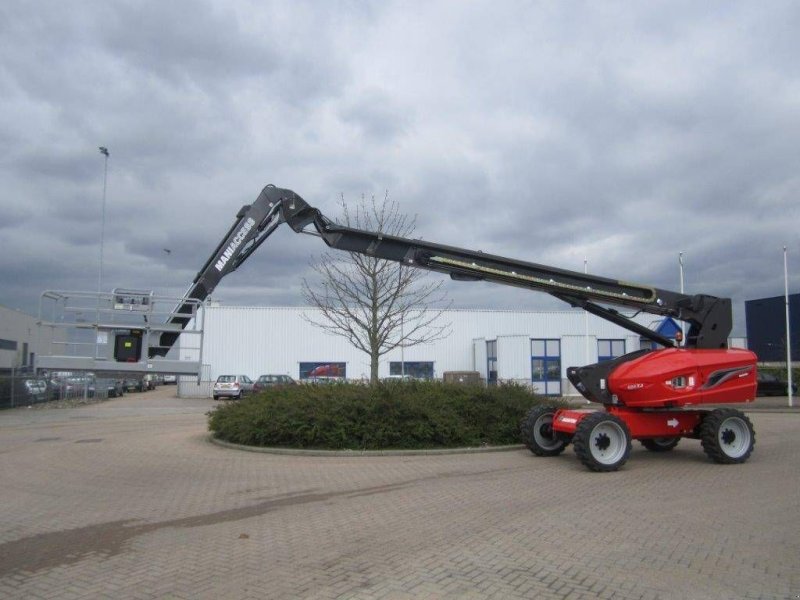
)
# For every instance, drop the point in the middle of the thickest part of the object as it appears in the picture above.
(128, 499)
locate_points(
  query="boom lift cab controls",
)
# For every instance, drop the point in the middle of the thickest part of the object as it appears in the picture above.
(647, 395)
(128, 346)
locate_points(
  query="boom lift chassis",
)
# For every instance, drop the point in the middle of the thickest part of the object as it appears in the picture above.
(644, 394)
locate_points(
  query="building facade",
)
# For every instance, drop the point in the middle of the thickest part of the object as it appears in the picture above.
(21, 340)
(528, 347)
(766, 327)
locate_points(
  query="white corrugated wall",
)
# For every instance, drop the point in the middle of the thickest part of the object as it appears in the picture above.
(259, 340)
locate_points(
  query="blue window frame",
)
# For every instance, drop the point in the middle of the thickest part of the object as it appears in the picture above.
(609, 349)
(546, 366)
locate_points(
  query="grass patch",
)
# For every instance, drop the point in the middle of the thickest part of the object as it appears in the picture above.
(393, 415)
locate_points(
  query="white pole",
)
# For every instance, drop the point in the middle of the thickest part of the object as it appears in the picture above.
(402, 350)
(586, 318)
(104, 152)
(402, 333)
(788, 337)
(683, 324)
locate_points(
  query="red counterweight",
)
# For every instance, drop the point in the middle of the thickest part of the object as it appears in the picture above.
(676, 377)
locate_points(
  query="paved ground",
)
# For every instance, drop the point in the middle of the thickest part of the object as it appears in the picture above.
(128, 499)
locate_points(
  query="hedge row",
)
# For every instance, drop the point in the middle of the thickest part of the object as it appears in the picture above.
(393, 415)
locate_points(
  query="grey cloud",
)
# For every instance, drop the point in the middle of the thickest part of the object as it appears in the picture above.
(544, 132)
(377, 115)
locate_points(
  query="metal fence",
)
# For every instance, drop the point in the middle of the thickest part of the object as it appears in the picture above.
(26, 389)
(194, 387)
(189, 388)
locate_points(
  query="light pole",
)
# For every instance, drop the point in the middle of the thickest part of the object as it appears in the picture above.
(683, 324)
(104, 152)
(586, 318)
(402, 333)
(788, 329)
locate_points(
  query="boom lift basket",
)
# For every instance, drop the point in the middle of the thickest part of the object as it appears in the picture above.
(118, 331)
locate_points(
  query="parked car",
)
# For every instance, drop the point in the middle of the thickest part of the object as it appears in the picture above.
(135, 384)
(153, 380)
(399, 378)
(114, 387)
(324, 380)
(31, 390)
(77, 387)
(771, 385)
(267, 381)
(232, 386)
(22, 391)
(170, 379)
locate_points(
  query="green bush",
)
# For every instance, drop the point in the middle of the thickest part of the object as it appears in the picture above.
(780, 372)
(392, 415)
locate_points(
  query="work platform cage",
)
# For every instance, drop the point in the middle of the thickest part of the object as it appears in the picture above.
(119, 332)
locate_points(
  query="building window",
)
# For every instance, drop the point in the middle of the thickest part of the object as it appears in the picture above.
(415, 369)
(323, 370)
(8, 344)
(491, 362)
(609, 349)
(546, 366)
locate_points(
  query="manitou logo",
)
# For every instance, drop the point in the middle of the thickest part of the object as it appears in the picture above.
(235, 243)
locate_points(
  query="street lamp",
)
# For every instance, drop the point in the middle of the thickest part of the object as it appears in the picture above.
(586, 318)
(683, 323)
(788, 328)
(104, 152)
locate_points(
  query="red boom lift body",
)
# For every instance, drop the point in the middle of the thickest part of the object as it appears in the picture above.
(645, 394)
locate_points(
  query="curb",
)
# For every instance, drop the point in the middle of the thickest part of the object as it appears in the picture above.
(783, 411)
(349, 453)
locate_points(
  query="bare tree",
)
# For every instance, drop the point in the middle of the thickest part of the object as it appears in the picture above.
(378, 305)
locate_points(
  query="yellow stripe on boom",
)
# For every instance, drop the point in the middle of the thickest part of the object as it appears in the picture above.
(648, 295)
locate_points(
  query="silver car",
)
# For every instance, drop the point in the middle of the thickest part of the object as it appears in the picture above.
(232, 386)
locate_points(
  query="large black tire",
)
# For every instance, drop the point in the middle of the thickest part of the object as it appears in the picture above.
(537, 432)
(660, 444)
(602, 442)
(727, 436)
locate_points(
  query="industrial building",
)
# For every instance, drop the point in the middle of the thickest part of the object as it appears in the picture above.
(766, 327)
(21, 341)
(529, 347)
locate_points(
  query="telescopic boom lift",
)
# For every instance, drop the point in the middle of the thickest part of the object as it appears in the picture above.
(644, 393)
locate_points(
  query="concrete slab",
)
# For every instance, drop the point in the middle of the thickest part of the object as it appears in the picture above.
(128, 499)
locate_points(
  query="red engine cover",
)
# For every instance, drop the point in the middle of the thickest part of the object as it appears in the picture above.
(679, 377)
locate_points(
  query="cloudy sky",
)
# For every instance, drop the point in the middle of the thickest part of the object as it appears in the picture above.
(547, 131)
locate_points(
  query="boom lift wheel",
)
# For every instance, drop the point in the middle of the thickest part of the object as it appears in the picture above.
(602, 442)
(660, 444)
(727, 436)
(538, 434)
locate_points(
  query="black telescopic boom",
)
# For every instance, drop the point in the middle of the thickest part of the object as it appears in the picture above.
(710, 318)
